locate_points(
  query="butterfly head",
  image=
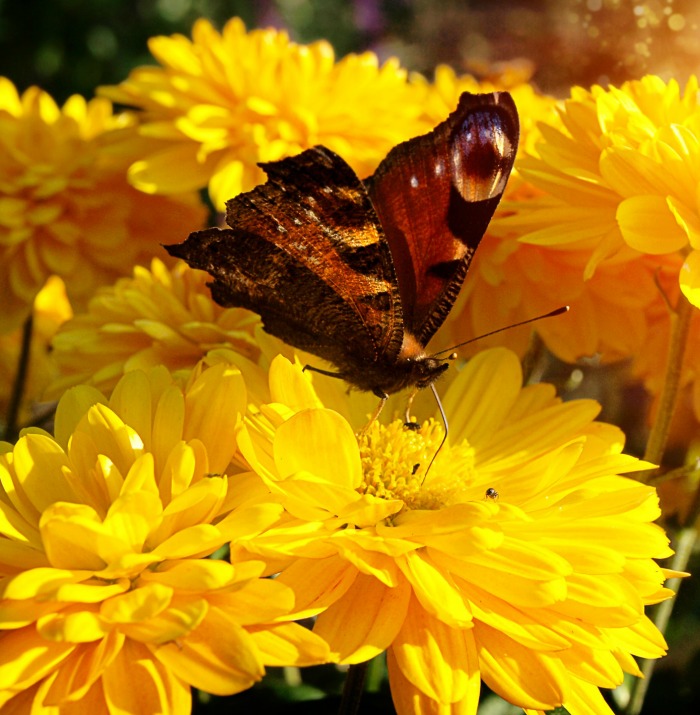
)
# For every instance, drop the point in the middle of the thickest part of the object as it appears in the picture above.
(414, 368)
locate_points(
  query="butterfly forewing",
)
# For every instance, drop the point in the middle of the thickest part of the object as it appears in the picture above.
(435, 195)
(363, 273)
(306, 252)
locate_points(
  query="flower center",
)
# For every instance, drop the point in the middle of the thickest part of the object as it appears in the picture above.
(396, 463)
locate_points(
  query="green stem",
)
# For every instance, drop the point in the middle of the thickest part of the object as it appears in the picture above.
(680, 327)
(353, 689)
(11, 427)
(685, 538)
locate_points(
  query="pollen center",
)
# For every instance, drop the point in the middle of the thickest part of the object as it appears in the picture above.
(396, 463)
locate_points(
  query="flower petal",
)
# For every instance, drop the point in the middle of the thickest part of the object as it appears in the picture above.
(439, 660)
(649, 226)
(320, 442)
(690, 278)
(376, 612)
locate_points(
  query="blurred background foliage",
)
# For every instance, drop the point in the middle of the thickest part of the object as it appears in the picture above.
(69, 46)
(73, 46)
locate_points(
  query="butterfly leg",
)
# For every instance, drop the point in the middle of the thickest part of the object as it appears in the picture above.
(383, 397)
(328, 373)
(407, 422)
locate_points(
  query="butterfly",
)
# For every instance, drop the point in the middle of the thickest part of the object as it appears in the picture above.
(363, 273)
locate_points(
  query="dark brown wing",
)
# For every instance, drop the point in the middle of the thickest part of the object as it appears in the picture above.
(305, 251)
(435, 196)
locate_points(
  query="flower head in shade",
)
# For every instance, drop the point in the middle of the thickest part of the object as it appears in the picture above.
(650, 363)
(109, 602)
(521, 558)
(66, 207)
(159, 316)
(223, 101)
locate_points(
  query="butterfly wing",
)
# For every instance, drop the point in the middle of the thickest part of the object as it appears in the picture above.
(435, 195)
(306, 252)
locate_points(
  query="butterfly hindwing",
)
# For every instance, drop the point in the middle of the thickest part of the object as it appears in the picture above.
(306, 252)
(435, 195)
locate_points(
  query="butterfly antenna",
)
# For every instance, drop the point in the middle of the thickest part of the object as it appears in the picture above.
(551, 314)
(447, 428)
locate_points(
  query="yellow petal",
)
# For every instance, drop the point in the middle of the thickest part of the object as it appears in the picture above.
(219, 657)
(408, 698)
(435, 590)
(71, 408)
(320, 442)
(477, 401)
(258, 600)
(198, 505)
(171, 171)
(72, 534)
(690, 278)
(40, 582)
(199, 540)
(138, 604)
(648, 225)
(365, 621)
(687, 219)
(136, 683)
(214, 405)
(196, 575)
(290, 644)
(79, 672)
(290, 386)
(317, 583)
(73, 625)
(39, 465)
(27, 658)
(169, 626)
(227, 180)
(519, 675)
(439, 660)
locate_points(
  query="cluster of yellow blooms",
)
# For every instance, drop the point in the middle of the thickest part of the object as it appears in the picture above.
(182, 429)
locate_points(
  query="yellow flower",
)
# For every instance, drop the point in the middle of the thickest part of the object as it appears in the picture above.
(51, 309)
(620, 176)
(108, 600)
(66, 207)
(521, 558)
(513, 278)
(159, 316)
(222, 102)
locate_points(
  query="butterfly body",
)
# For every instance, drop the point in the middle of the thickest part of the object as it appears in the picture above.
(362, 273)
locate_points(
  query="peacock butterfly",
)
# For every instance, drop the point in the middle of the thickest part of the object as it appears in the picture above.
(362, 273)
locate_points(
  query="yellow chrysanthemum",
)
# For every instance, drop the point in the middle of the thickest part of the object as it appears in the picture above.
(66, 207)
(159, 316)
(222, 102)
(521, 558)
(51, 309)
(511, 280)
(620, 176)
(109, 603)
